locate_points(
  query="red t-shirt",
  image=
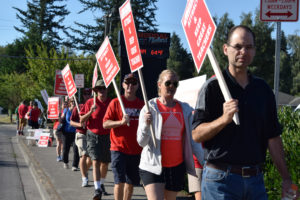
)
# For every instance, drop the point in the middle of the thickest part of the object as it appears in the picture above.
(94, 123)
(171, 135)
(123, 138)
(55, 125)
(75, 118)
(34, 114)
(197, 164)
(22, 111)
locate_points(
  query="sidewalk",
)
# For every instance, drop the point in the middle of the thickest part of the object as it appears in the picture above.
(55, 182)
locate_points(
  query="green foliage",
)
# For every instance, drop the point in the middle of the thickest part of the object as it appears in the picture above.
(179, 60)
(42, 20)
(89, 37)
(291, 142)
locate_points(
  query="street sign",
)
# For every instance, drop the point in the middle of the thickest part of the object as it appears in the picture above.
(199, 29)
(279, 10)
(79, 80)
(53, 108)
(130, 37)
(69, 81)
(107, 62)
(59, 85)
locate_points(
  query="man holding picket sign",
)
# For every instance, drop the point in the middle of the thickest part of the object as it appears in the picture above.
(98, 142)
(234, 151)
(125, 151)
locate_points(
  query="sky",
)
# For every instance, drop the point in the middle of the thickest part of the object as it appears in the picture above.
(168, 16)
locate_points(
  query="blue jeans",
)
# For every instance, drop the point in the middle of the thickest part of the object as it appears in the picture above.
(223, 185)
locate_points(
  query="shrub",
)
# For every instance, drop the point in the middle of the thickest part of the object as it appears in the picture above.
(290, 122)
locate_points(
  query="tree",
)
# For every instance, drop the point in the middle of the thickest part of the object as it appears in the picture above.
(286, 80)
(224, 24)
(263, 63)
(294, 46)
(179, 60)
(41, 22)
(89, 37)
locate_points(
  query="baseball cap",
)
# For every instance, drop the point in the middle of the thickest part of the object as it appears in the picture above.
(130, 77)
(99, 83)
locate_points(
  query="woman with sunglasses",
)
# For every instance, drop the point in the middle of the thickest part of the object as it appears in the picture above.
(163, 168)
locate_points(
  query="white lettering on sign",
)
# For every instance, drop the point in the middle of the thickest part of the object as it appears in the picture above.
(131, 40)
(104, 53)
(204, 43)
(108, 63)
(198, 27)
(125, 11)
(135, 60)
(127, 20)
(190, 11)
(199, 39)
(133, 50)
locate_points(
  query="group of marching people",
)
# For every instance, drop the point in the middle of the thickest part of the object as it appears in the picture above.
(160, 142)
(101, 134)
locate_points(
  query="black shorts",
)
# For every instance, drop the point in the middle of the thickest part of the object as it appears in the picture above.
(98, 146)
(173, 177)
(125, 168)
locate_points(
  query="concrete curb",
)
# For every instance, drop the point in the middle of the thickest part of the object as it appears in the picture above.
(45, 186)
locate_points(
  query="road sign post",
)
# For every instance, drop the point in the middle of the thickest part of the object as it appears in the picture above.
(279, 10)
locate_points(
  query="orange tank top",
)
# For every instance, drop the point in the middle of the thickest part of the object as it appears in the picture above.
(171, 135)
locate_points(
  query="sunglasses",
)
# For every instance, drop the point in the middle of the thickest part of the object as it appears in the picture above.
(130, 82)
(100, 88)
(168, 83)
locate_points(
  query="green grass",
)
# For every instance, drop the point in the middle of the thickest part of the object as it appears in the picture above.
(5, 119)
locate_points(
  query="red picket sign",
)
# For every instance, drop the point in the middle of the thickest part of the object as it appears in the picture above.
(69, 81)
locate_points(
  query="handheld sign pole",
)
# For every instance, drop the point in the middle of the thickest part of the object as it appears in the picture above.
(199, 29)
(133, 51)
(76, 104)
(221, 80)
(95, 77)
(109, 67)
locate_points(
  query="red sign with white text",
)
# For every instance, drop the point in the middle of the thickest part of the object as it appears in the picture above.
(53, 108)
(199, 29)
(279, 10)
(95, 76)
(59, 85)
(130, 36)
(107, 62)
(69, 81)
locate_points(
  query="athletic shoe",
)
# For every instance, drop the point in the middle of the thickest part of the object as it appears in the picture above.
(58, 159)
(75, 169)
(97, 195)
(66, 166)
(103, 190)
(85, 183)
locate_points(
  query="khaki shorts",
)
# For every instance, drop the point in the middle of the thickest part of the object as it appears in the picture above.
(194, 182)
(57, 135)
(80, 141)
(23, 122)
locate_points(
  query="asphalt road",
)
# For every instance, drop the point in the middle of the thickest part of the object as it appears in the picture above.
(16, 181)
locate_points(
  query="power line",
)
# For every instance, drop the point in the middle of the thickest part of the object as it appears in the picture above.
(38, 58)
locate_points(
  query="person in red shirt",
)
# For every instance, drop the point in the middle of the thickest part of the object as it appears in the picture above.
(125, 151)
(80, 139)
(34, 114)
(22, 110)
(98, 142)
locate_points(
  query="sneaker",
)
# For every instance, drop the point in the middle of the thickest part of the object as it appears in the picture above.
(103, 189)
(58, 159)
(75, 169)
(66, 166)
(97, 195)
(85, 183)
